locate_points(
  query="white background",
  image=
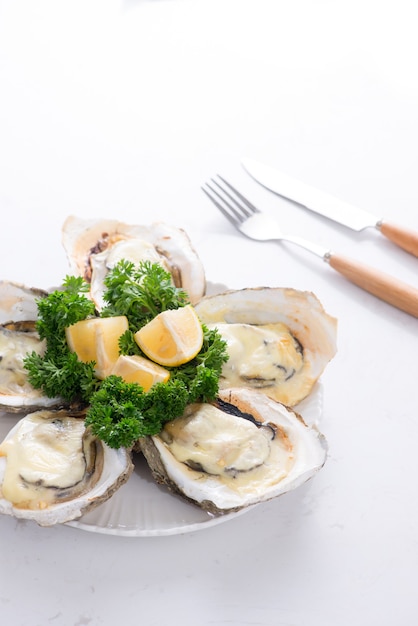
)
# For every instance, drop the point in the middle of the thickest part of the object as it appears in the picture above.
(122, 109)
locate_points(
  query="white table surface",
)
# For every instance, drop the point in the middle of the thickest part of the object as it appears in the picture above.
(122, 109)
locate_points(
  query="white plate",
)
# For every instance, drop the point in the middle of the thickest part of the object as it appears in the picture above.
(142, 508)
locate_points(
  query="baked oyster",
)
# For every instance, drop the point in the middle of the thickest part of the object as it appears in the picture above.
(241, 450)
(53, 470)
(95, 246)
(18, 336)
(279, 340)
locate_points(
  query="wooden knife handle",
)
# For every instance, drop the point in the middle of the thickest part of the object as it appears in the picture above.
(381, 285)
(406, 239)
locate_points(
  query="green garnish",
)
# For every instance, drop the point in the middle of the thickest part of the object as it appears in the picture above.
(140, 292)
(118, 412)
(58, 372)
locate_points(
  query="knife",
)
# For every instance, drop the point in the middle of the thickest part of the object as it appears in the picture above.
(328, 206)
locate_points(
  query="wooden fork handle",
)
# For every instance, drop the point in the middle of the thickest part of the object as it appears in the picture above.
(381, 285)
(406, 239)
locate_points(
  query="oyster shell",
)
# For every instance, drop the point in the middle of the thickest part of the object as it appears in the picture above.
(18, 312)
(245, 449)
(279, 340)
(18, 302)
(52, 470)
(95, 246)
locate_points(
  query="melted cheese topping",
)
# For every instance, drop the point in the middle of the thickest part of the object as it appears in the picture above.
(134, 250)
(265, 357)
(239, 453)
(43, 455)
(13, 348)
(217, 442)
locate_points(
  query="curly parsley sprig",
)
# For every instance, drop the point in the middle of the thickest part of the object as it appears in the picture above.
(120, 413)
(58, 372)
(140, 292)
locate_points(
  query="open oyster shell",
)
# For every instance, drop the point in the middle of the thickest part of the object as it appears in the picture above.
(279, 340)
(95, 246)
(18, 302)
(18, 336)
(247, 449)
(52, 470)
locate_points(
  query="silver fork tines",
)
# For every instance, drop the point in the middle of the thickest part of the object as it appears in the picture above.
(249, 220)
(232, 209)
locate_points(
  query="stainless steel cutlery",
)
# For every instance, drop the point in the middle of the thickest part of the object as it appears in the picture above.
(328, 206)
(254, 224)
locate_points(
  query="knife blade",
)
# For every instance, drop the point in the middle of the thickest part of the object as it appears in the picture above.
(328, 206)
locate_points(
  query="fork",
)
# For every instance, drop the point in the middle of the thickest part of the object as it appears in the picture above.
(260, 226)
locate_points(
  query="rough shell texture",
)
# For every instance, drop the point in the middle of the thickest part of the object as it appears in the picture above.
(84, 238)
(18, 302)
(116, 468)
(300, 311)
(309, 449)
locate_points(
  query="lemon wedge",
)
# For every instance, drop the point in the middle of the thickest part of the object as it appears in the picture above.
(97, 339)
(137, 369)
(172, 338)
(81, 339)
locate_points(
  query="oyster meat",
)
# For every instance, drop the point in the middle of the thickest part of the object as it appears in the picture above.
(244, 449)
(18, 336)
(279, 340)
(93, 247)
(53, 470)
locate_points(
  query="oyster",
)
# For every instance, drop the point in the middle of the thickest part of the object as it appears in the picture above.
(18, 302)
(52, 470)
(244, 449)
(18, 336)
(279, 340)
(95, 246)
